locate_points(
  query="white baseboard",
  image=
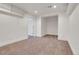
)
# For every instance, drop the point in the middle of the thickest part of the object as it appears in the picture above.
(13, 41)
(51, 34)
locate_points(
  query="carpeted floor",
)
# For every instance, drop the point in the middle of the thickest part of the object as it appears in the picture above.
(48, 45)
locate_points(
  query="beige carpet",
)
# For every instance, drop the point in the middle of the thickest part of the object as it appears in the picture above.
(48, 45)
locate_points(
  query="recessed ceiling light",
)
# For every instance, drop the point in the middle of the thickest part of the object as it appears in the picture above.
(35, 11)
(54, 6)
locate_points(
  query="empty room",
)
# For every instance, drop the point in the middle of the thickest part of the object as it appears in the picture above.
(39, 28)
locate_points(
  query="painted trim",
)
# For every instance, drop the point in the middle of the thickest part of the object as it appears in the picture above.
(13, 41)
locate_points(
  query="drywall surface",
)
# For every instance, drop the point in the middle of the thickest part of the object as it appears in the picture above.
(12, 29)
(63, 27)
(11, 9)
(74, 30)
(68, 29)
(34, 26)
(39, 27)
(52, 25)
(43, 26)
(30, 25)
(49, 25)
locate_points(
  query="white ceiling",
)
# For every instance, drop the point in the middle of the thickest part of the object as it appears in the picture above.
(42, 8)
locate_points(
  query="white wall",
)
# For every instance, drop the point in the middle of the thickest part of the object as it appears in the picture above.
(30, 24)
(34, 26)
(11, 9)
(43, 26)
(12, 29)
(74, 30)
(39, 27)
(63, 27)
(68, 29)
(49, 25)
(52, 25)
